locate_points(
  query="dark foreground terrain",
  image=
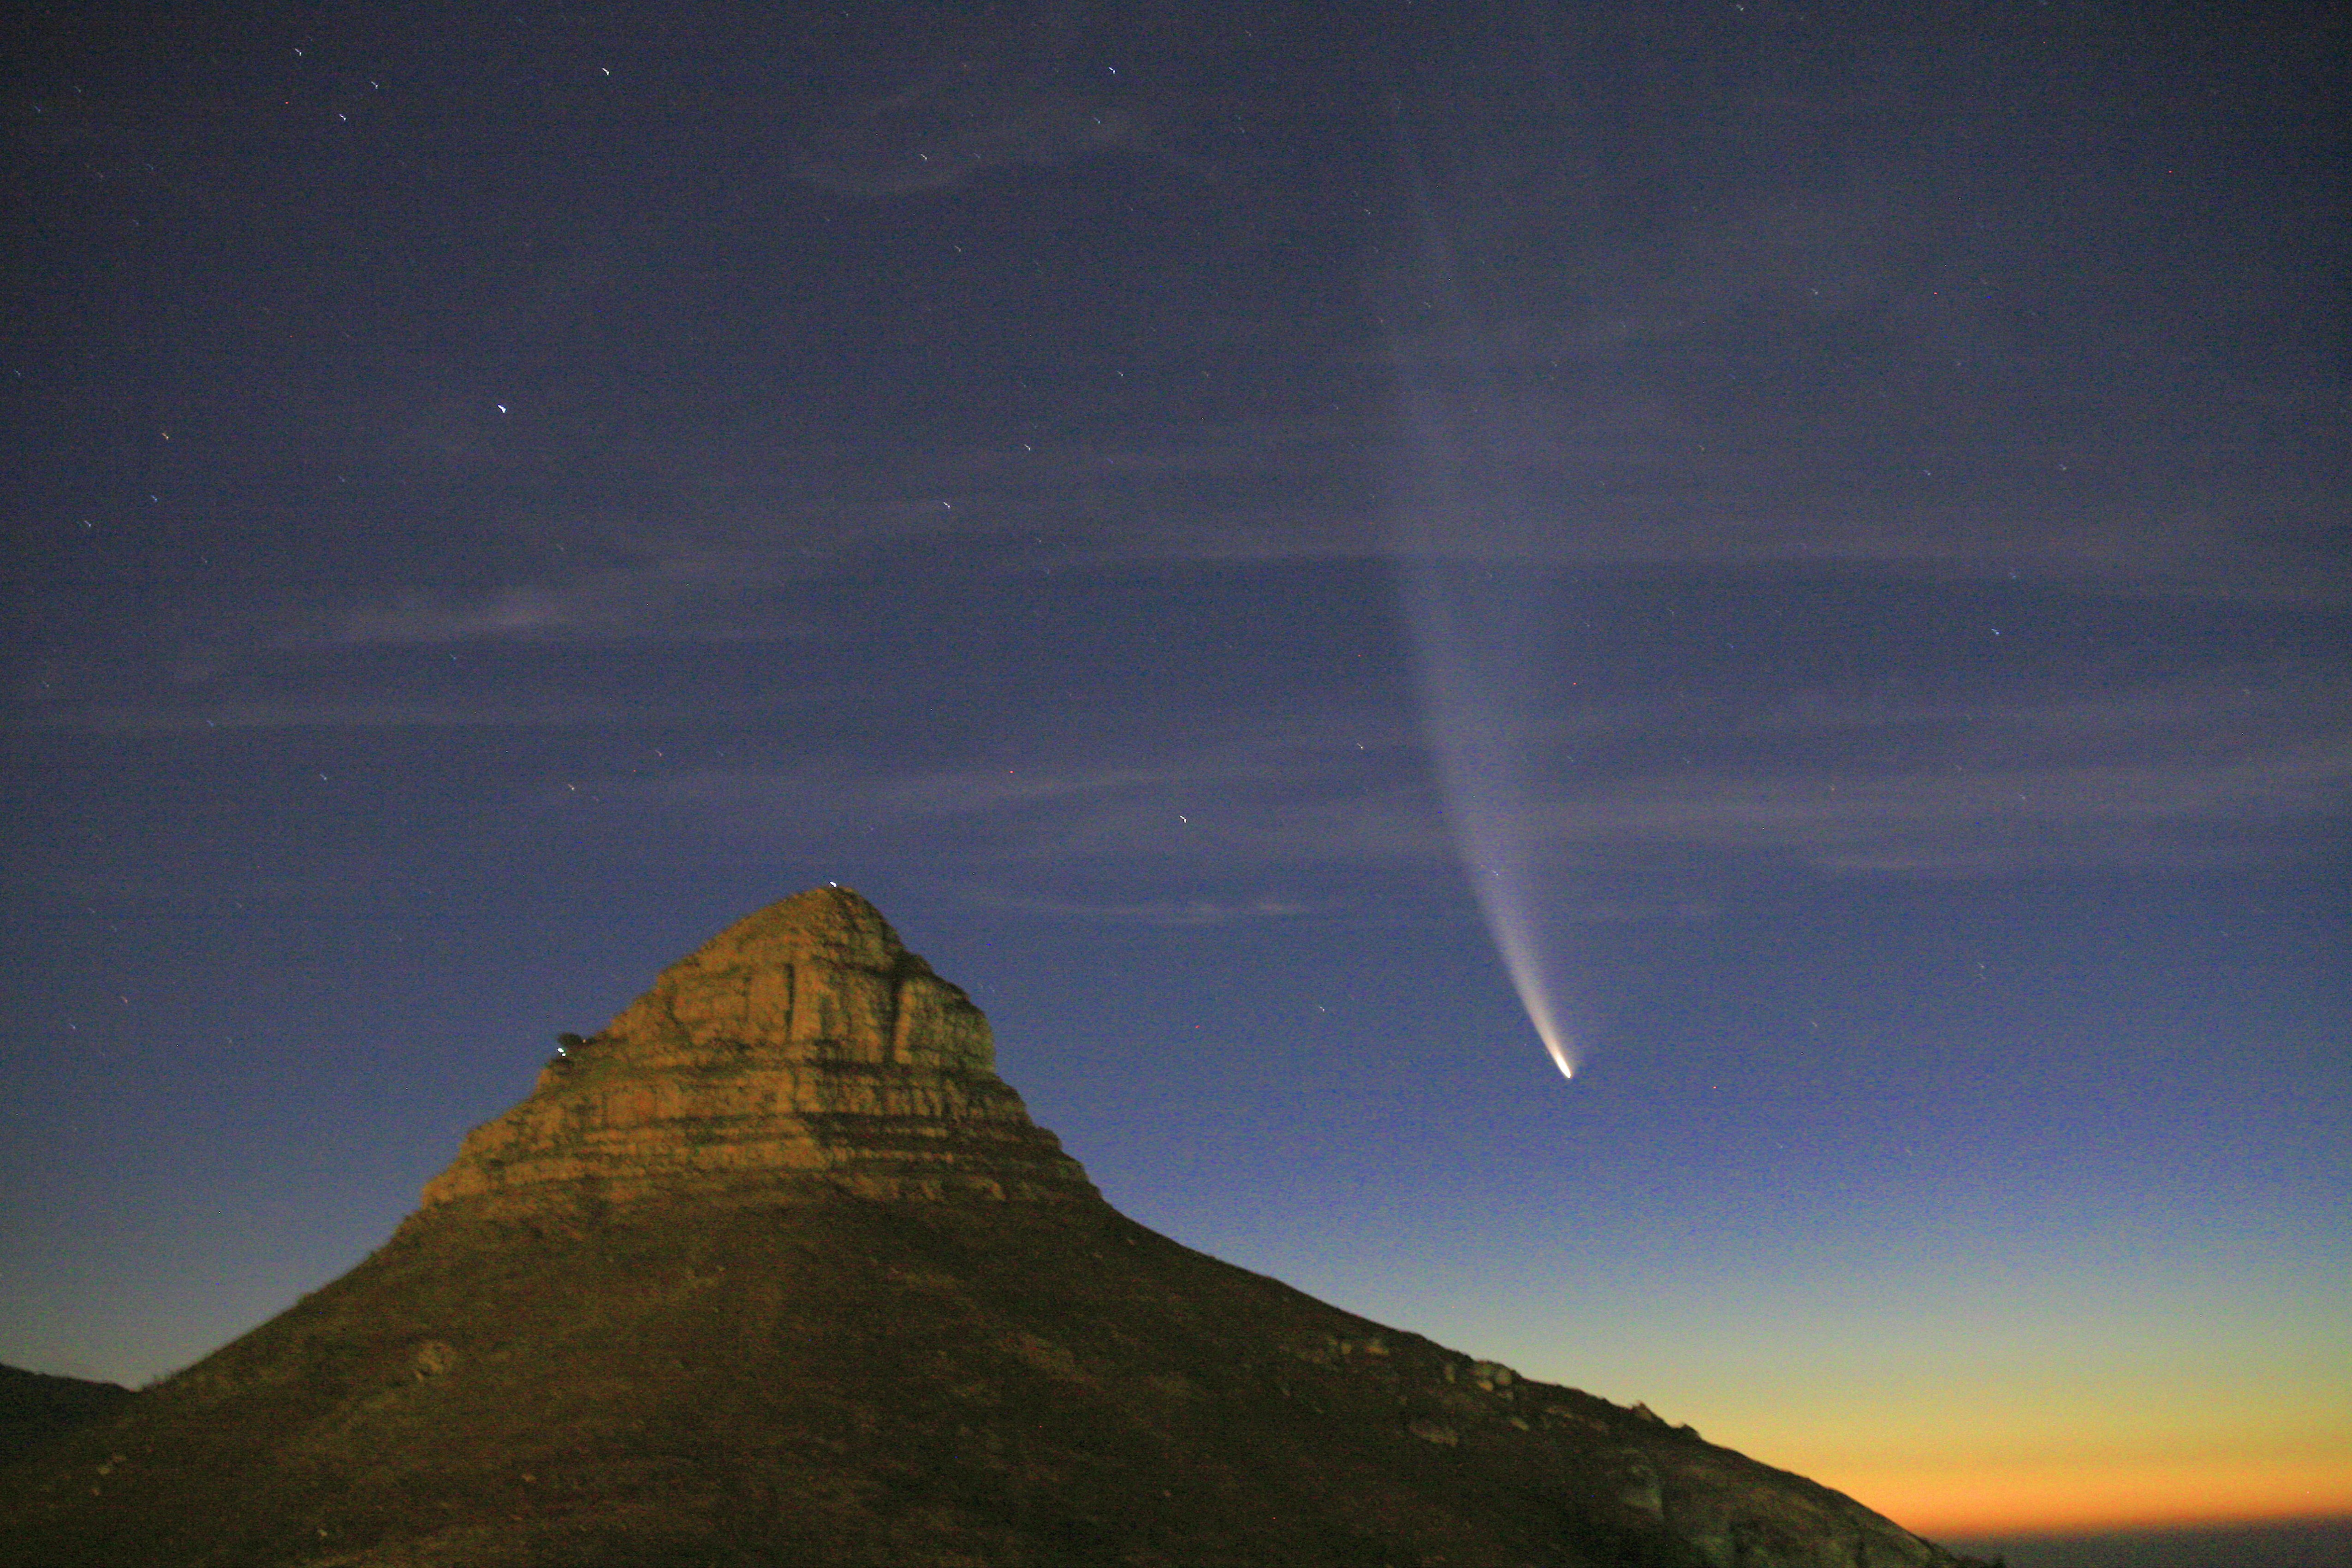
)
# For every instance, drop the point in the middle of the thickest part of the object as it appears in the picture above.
(847, 1381)
(37, 1407)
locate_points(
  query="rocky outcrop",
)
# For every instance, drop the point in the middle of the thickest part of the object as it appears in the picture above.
(803, 1045)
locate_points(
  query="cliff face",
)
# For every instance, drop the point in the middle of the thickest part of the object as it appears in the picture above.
(801, 1044)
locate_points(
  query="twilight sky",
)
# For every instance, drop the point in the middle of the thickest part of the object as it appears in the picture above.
(1838, 514)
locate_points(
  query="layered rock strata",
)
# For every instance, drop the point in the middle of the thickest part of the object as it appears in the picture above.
(801, 1045)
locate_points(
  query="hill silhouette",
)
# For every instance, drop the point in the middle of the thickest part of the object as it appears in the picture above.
(776, 1270)
(37, 1406)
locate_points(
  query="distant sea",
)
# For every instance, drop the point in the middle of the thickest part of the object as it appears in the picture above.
(2307, 1543)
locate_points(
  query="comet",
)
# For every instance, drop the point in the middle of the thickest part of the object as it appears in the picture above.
(1479, 713)
(1476, 541)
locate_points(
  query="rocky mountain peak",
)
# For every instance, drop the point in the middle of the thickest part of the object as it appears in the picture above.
(802, 1047)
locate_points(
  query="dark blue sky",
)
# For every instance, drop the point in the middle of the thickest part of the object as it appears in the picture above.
(496, 500)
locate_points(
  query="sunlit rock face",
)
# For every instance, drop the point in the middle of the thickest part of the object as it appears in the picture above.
(803, 1045)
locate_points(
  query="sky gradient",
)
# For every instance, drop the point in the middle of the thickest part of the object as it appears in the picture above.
(1848, 510)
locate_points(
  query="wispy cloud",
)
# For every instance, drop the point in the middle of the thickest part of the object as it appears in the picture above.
(705, 592)
(2016, 819)
(1034, 92)
(2216, 765)
(2178, 772)
(323, 711)
(929, 137)
(1201, 911)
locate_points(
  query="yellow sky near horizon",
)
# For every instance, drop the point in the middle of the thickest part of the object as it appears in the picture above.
(2060, 1497)
(2223, 1442)
(2014, 1456)
(2150, 1404)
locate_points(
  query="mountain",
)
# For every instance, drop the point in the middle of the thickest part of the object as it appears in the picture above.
(775, 1269)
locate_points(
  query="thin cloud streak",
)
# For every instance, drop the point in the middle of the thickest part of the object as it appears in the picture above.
(1188, 912)
(704, 593)
(2022, 819)
(327, 713)
(2148, 777)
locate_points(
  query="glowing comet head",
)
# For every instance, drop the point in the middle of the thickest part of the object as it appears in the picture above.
(1554, 1039)
(1507, 916)
(1488, 800)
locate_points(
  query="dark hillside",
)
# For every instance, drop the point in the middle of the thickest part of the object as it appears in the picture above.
(37, 1406)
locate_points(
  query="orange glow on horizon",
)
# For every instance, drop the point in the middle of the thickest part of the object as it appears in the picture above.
(1998, 1499)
